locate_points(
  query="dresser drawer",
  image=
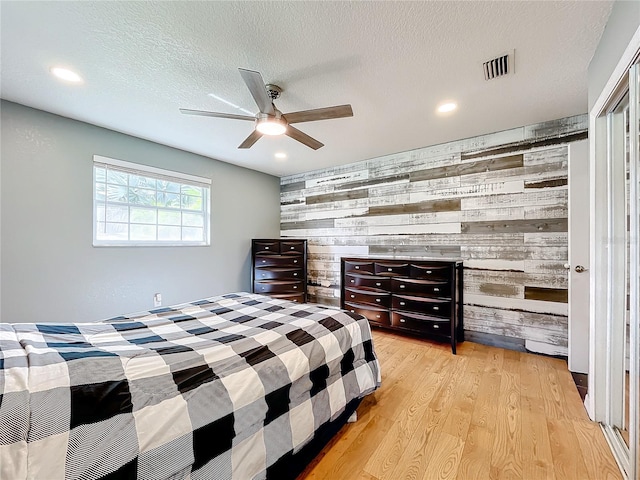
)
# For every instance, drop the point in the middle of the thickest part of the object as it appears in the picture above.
(278, 286)
(354, 266)
(371, 281)
(279, 261)
(292, 297)
(432, 288)
(391, 269)
(374, 315)
(423, 305)
(291, 247)
(266, 248)
(430, 271)
(414, 321)
(278, 273)
(370, 297)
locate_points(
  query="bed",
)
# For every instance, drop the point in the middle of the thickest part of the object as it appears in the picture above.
(238, 386)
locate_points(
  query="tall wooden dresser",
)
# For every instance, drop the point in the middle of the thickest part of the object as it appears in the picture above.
(279, 268)
(418, 296)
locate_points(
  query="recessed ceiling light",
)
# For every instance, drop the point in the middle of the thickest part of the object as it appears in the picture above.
(66, 75)
(447, 107)
(280, 155)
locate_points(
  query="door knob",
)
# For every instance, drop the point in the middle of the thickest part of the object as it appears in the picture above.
(580, 268)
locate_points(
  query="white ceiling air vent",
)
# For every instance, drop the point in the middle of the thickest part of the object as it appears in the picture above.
(499, 67)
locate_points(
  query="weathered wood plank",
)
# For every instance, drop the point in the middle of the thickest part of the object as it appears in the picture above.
(557, 323)
(290, 187)
(326, 223)
(482, 190)
(452, 227)
(552, 183)
(494, 264)
(553, 128)
(508, 252)
(518, 226)
(534, 306)
(417, 251)
(546, 156)
(300, 216)
(337, 197)
(388, 180)
(515, 278)
(528, 333)
(575, 137)
(489, 165)
(494, 289)
(547, 294)
(488, 214)
(542, 239)
(420, 207)
(546, 211)
(535, 197)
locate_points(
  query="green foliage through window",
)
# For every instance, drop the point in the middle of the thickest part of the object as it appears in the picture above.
(135, 208)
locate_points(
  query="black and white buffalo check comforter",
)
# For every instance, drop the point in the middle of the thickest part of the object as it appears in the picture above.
(214, 389)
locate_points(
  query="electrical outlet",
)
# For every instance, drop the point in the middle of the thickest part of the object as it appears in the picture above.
(157, 299)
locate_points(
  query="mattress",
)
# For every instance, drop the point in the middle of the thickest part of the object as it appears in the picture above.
(219, 388)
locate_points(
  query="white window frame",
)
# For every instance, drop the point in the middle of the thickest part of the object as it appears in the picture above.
(159, 174)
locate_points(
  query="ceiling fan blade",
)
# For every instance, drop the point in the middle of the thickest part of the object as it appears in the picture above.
(326, 113)
(303, 138)
(215, 114)
(251, 139)
(255, 84)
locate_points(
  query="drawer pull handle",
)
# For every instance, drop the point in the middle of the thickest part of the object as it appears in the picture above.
(402, 303)
(377, 316)
(357, 267)
(353, 311)
(428, 271)
(266, 248)
(378, 284)
(402, 320)
(295, 261)
(353, 296)
(295, 286)
(378, 300)
(436, 327)
(295, 274)
(264, 261)
(401, 286)
(436, 289)
(436, 308)
(264, 274)
(389, 269)
(293, 248)
(353, 281)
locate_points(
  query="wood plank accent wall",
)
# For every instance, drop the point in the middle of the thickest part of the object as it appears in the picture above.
(497, 201)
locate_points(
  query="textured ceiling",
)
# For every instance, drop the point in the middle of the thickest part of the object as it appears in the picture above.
(394, 62)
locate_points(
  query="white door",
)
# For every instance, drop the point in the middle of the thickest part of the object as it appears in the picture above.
(578, 264)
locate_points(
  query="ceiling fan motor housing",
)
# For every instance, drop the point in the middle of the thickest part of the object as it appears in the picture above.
(273, 91)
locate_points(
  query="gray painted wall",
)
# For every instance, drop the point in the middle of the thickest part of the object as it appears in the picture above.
(622, 24)
(51, 272)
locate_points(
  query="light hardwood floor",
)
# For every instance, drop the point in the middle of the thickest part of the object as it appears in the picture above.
(485, 413)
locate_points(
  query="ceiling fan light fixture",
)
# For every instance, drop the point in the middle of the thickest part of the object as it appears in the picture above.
(271, 126)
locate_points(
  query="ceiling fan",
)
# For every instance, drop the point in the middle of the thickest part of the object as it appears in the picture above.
(271, 121)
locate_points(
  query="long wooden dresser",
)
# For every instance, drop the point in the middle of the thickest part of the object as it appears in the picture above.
(416, 296)
(279, 268)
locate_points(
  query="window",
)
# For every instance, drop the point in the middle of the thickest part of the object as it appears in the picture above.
(139, 205)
